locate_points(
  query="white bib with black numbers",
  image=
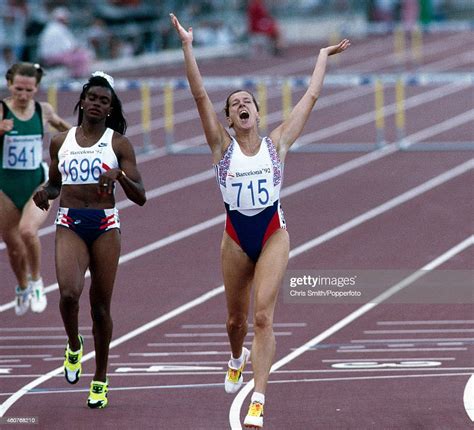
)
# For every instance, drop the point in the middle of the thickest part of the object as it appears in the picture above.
(249, 184)
(79, 166)
(250, 187)
(22, 152)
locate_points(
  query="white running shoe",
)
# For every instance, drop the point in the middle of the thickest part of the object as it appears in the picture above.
(22, 300)
(38, 297)
(234, 378)
(254, 418)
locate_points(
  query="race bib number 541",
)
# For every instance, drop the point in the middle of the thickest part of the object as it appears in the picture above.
(22, 152)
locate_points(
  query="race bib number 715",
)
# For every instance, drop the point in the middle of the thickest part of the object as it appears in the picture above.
(251, 189)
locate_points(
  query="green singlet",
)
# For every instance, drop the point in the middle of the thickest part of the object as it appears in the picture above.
(21, 157)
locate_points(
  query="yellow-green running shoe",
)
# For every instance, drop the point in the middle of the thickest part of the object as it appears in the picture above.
(72, 363)
(98, 395)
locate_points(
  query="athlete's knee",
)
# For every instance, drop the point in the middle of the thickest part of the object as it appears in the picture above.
(262, 320)
(15, 246)
(100, 313)
(28, 234)
(69, 297)
(237, 322)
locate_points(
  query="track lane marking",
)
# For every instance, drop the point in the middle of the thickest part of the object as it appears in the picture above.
(234, 412)
(468, 398)
(219, 290)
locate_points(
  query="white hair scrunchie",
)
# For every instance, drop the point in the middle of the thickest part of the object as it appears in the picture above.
(107, 77)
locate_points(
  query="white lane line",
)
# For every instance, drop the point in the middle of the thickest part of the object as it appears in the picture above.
(151, 363)
(381, 370)
(61, 358)
(434, 322)
(338, 360)
(428, 339)
(218, 385)
(368, 117)
(222, 326)
(174, 344)
(32, 346)
(450, 343)
(401, 350)
(234, 412)
(35, 337)
(26, 356)
(216, 291)
(2, 366)
(148, 354)
(390, 204)
(185, 353)
(223, 334)
(468, 398)
(32, 329)
(366, 378)
(435, 330)
(385, 61)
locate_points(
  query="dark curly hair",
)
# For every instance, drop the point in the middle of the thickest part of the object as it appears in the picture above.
(116, 121)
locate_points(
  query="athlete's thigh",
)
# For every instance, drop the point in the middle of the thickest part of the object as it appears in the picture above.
(238, 271)
(105, 254)
(10, 215)
(33, 217)
(270, 269)
(72, 260)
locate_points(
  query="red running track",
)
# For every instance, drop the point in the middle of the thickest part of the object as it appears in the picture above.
(339, 366)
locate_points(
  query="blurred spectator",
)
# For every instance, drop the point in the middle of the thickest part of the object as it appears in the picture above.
(410, 12)
(261, 22)
(382, 10)
(121, 48)
(7, 58)
(213, 33)
(12, 27)
(99, 38)
(34, 27)
(59, 47)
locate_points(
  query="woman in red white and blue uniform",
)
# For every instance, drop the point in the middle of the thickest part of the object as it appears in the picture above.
(87, 163)
(255, 243)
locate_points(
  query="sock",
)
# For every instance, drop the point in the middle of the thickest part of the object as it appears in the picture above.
(37, 283)
(235, 363)
(258, 397)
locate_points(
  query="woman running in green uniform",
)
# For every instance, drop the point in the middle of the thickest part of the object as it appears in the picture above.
(22, 171)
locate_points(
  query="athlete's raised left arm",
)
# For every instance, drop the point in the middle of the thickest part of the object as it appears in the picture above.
(127, 175)
(52, 118)
(285, 135)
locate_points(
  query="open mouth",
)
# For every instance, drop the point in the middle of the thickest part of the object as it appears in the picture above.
(244, 115)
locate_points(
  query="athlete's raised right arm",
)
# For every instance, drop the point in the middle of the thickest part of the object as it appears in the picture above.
(216, 135)
(52, 188)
